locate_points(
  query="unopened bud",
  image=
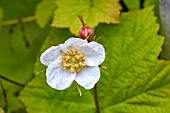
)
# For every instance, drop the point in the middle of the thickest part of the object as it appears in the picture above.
(85, 32)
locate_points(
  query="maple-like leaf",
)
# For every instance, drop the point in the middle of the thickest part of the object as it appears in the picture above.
(93, 11)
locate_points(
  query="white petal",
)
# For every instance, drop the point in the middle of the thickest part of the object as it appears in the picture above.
(59, 78)
(94, 54)
(73, 43)
(51, 54)
(88, 77)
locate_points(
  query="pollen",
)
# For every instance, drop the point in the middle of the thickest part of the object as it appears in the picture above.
(73, 60)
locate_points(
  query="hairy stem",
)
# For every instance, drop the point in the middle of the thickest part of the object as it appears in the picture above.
(11, 81)
(17, 21)
(82, 21)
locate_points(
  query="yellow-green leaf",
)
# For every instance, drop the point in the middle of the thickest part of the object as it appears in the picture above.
(93, 11)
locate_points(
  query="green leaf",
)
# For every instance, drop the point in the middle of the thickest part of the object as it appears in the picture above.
(165, 27)
(41, 98)
(135, 80)
(49, 100)
(44, 12)
(132, 5)
(93, 12)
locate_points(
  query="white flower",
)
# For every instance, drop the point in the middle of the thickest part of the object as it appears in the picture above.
(77, 60)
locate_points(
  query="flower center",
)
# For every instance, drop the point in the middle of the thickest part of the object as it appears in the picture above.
(73, 60)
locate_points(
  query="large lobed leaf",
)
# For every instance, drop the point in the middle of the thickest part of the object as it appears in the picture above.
(93, 11)
(134, 82)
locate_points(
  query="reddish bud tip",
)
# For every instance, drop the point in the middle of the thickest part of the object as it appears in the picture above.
(85, 32)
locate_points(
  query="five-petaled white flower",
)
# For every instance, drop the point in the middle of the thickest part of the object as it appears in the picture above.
(77, 60)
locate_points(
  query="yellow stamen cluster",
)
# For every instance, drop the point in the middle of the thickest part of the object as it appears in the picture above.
(73, 60)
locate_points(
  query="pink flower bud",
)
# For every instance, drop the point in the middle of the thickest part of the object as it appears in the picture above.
(85, 32)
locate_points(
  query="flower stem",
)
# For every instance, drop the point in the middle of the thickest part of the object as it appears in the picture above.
(17, 21)
(78, 89)
(96, 99)
(16, 83)
(82, 21)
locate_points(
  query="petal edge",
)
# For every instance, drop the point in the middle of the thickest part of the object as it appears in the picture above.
(59, 78)
(88, 77)
(50, 55)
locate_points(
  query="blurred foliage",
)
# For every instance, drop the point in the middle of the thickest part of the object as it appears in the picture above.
(1, 15)
(19, 45)
(14, 9)
(1, 110)
(44, 12)
(135, 80)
